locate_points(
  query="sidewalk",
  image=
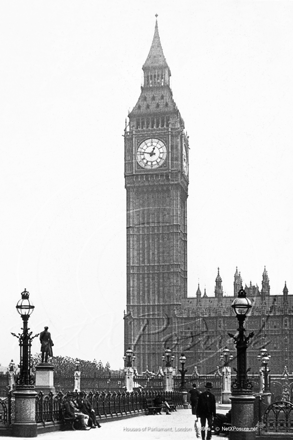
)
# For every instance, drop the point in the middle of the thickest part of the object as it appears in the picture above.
(177, 425)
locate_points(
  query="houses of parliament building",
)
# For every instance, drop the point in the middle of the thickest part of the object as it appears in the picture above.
(159, 314)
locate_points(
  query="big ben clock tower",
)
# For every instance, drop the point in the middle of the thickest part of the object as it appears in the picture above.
(156, 181)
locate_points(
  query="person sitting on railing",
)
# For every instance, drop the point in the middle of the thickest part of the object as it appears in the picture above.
(71, 411)
(161, 404)
(220, 420)
(85, 407)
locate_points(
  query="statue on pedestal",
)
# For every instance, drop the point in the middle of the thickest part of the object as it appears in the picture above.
(46, 345)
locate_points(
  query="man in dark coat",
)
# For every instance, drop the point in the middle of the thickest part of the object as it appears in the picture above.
(70, 410)
(46, 344)
(194, 395)
(206, 410)
(85, 407)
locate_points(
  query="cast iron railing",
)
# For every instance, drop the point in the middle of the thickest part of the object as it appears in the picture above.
(7, 410)
(105, 404)
(278, 417)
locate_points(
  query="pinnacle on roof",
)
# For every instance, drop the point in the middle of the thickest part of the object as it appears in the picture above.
(198, 292)
(218, 276)
(285, 290)
(156, 57)
(265, 274)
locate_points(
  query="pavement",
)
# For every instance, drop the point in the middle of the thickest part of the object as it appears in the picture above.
(179, 424)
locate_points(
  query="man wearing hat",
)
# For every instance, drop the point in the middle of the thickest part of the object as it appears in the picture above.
(206, 410)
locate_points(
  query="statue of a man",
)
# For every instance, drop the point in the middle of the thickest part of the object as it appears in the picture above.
(46, 344)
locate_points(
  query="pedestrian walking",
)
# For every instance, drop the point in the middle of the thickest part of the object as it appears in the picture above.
(206, 411)
(194, 395)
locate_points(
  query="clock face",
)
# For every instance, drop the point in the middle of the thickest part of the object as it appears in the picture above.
(184, 160)
(151, 154)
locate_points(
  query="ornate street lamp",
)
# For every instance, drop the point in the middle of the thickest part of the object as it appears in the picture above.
(242, 409)
(129, 358)
(25, 309)
(168, 357)
(264, 358)
(182, 361)
(241, 306)
(183, 370)
(25, 395)
(226, 357)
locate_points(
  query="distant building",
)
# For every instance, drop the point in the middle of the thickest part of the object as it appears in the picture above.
(206, 321)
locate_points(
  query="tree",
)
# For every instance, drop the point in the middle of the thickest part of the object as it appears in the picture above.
(66, 366)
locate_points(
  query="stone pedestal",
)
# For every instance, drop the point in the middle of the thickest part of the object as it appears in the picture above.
(11, 380)
(129, 383)
(184, 395)
(226, 385)
(242, 417)
(45, 378)
(226, 397)
(168, 379)
(25, 412)
(76, 387)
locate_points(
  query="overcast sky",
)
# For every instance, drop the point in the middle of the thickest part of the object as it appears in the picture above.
(69, 73)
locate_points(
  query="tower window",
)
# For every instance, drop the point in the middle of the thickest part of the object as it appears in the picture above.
(158, 105)
(162, 96)
(144, 98)
(147, 106)
(139, 107)
(166, 105)
(153, 98)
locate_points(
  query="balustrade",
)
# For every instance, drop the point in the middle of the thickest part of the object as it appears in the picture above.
(105, 404)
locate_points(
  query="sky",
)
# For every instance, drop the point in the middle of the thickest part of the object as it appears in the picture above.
(70, 72)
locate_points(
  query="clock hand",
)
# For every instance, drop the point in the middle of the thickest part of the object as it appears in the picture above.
(152, 152)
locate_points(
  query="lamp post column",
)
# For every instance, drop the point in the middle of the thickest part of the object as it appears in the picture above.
(25, 395)
(242, 414)
(183, 370)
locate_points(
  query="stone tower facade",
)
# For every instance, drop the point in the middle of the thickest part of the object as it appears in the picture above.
(159, 314)
(156, 182)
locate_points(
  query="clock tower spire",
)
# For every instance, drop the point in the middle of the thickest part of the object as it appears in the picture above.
(156, 182)
(156, 70)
